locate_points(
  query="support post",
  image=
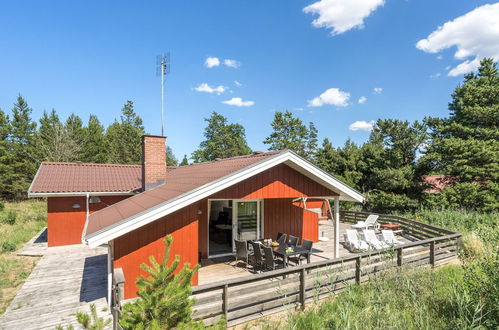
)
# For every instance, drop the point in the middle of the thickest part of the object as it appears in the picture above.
(399, 257)
(337, 226)
(432, 254)
(357, 270)
(225, 301)
(302, 288)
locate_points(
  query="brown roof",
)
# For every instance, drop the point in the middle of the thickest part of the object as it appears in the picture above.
(53, 177)
(178, 181)
(437, 182)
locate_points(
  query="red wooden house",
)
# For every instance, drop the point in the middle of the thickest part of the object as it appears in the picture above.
(206, 206)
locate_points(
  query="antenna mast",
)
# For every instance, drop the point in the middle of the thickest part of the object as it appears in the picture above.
(162, 69)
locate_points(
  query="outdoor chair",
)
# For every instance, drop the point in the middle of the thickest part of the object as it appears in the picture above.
(307, 245)
(257, 255)
(242, 252)
(281, 238)
(389, 237)
(293, 240)
(371, 221)
(372, 240)
(270, 262)
(353, 241)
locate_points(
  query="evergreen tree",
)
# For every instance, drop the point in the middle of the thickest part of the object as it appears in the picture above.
(5, 156)
(465, 145)
(24, 162)
(390, 176)
(123, 137)
(95, 150)
(164, 296)
(171, 160)
(290, 133)
(185, 161)
(222, 140)
(76, 134)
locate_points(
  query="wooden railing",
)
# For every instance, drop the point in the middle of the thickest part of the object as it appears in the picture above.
(252, 296)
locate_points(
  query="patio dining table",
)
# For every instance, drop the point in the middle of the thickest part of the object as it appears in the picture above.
(297, 250)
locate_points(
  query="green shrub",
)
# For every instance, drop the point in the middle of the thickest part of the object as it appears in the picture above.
(9, 217)
(8, 247)
(2, 206)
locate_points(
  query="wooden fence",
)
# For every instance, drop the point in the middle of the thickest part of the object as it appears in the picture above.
(249, 297)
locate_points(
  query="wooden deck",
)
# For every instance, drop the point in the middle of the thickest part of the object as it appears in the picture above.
(219, 269)
(67, 279)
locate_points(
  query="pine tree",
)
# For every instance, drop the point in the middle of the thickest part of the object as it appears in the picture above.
(95, 149)
(311, 147)
(465, 145)
(171, 160)
(164, 296)
(123, 137)
(5, 157)
(75, 134)
(289, 133)
(185, 161)
(24, 163)
(222, 140)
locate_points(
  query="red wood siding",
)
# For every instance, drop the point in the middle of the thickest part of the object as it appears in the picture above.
(280, 181)
(282, 215)
(65, 224)
(134, 248)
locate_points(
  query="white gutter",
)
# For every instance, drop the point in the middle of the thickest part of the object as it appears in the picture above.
(86, 219)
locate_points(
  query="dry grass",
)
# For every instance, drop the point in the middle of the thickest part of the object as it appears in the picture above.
(30, 217)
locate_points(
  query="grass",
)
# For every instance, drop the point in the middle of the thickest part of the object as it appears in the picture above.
(19, 222)
(451, 297)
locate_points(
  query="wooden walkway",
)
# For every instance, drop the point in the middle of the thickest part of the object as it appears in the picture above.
(66, 280)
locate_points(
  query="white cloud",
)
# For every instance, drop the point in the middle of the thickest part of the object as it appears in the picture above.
(435, 76)
(361, 125)
(204, 87)
(439, 57)
(211, 62)
(332, 96)
(378, 90)
(342, 15)
(362, 100)
(475, 34)
(238, 102)
(237, 83)
(232, 63)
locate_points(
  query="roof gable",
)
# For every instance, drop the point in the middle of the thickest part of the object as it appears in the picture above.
(186, 185)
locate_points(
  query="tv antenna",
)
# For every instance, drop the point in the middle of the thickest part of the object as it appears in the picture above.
(163, 65)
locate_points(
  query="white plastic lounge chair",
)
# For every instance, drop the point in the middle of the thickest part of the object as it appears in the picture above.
(389, 237)
(372, 240)
(354, 242)
(371, 221)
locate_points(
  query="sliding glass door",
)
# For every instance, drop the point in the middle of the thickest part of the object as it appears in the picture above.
(247, 225)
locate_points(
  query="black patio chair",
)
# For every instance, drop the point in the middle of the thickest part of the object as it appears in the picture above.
(270, 262)
(242, 252)
(307, 245)
(293, 240)
(257, 255)
(281, 238)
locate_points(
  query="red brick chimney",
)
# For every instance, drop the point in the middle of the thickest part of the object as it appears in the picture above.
(153, 161)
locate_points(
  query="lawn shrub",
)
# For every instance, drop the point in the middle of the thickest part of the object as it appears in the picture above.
(9, 217)
(8, 247)
(2, 206)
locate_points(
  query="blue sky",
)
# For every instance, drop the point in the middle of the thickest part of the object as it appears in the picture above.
(89, 57)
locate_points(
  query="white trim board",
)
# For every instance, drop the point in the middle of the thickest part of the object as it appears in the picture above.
(287, 157)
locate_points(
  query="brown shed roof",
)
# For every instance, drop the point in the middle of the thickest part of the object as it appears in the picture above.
(57, 178)
(178, 181)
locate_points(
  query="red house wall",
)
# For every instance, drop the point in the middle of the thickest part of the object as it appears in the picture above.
(279, 182)
(65, 224)
(134, 248)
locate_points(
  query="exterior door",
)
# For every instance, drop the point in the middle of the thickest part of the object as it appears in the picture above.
(246, 224)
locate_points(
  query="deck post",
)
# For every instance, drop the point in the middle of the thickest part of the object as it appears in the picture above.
(336, 226)
(302, 288)
(432, 254)
(225, 301)
(399, 257)
(357, 270)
